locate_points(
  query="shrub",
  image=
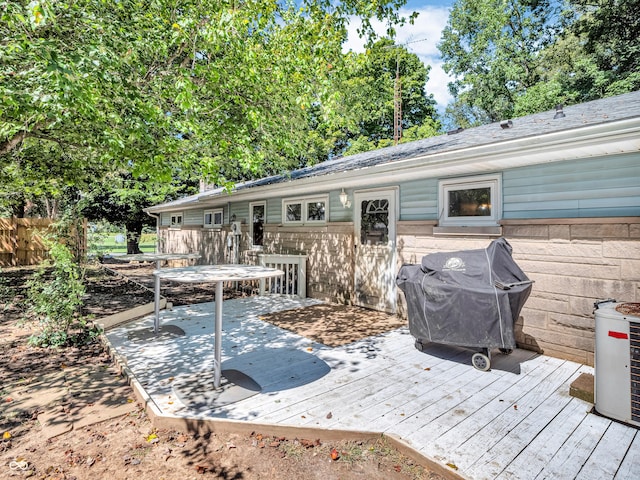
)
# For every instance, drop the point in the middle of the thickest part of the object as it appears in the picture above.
(55, 298)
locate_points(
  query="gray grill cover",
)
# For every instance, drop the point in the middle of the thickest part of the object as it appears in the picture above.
(451, 297)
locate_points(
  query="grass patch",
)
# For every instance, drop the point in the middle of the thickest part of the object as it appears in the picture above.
(104, 243)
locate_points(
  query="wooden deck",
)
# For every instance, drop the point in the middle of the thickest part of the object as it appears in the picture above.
(516, 421)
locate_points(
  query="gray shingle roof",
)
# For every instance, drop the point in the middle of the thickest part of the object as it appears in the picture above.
(596, 112)
(576, 116)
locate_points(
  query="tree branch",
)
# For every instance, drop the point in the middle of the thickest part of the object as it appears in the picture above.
(13, 142)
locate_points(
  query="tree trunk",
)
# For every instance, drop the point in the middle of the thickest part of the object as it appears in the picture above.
(19, 209)
(134, 231)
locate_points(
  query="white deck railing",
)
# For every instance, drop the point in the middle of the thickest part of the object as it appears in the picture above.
(294, 281)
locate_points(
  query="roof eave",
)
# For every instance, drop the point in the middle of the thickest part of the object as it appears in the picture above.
(616, 137)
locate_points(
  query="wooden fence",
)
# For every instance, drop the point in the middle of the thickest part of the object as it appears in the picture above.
(21, 244)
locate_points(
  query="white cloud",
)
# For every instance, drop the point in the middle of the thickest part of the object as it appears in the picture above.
(422, 39)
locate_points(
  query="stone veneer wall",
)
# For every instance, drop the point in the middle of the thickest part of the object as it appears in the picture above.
(329, 250)
(574, 263)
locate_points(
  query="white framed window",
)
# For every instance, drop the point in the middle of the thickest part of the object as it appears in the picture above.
(470, 201)
(305, 210)
(292, 212)
(176, 219)
(258, 213)
(213, 218)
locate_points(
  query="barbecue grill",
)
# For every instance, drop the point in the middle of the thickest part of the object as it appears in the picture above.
(468, 298)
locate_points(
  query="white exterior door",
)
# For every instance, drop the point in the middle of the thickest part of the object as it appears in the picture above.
(375, 249)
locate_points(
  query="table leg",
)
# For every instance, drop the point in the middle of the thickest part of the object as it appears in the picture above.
(218, 332)
(156, 301)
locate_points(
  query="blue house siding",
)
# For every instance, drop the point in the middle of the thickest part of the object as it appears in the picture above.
(274, 210)
(596, 187)
(240, 210)
(419, 200)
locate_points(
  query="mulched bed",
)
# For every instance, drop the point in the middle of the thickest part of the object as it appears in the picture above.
(141, 273)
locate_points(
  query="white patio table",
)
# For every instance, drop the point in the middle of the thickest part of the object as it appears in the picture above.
(158, 258)
(217, 274)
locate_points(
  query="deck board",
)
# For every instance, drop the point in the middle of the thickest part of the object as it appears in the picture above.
(608, 454)
(505, 451)
(630, 465)
(516, 421)
(531, 460)
(567, 462)
(504, 417)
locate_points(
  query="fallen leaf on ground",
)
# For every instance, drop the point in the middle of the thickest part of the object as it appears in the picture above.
(452, 465)
(334, 454)
(6, 435)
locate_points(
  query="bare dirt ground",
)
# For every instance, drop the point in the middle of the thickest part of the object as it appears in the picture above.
(129, 447)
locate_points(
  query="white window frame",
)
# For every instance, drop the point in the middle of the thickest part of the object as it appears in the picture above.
(252, 205)
(213, 212)
(494, 182)
(304, 210)
(286, 204)
(176, 219)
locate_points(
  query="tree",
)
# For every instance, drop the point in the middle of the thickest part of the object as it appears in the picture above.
(41, 179)
(147, 86)
(121, 200)
(524, 56)
(612, 36)
(492, 49)
(367, 97)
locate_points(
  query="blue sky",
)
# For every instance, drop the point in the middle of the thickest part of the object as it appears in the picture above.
(425, 34)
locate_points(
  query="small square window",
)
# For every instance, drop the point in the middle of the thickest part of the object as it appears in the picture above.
(176, 219)
(315, 211)
(294, 212)
(213, 218)
(470, 201)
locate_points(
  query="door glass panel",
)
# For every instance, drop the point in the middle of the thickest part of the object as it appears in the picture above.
(258, 224)
(374, 222)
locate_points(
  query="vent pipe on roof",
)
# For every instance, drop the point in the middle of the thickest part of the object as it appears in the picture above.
(559, 112)
(506, 124)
